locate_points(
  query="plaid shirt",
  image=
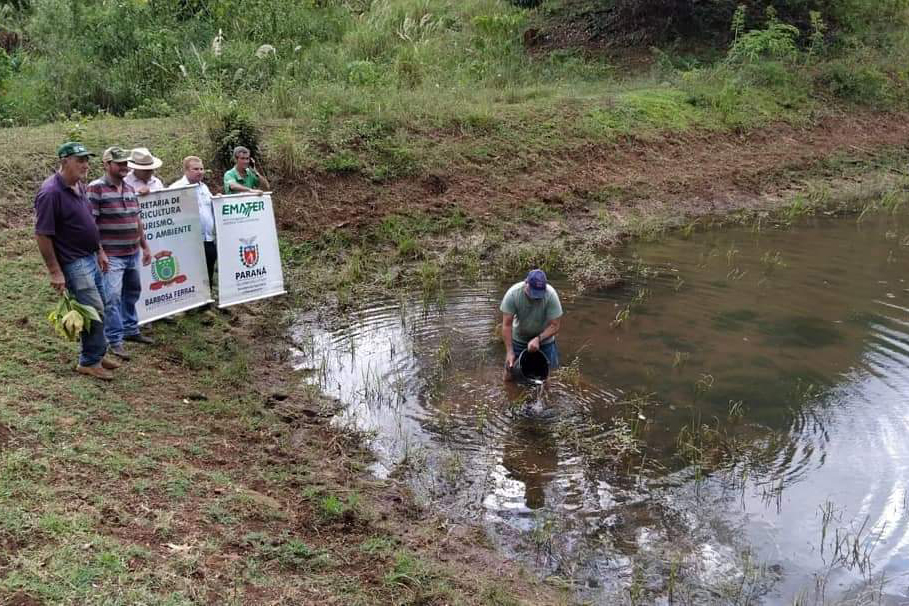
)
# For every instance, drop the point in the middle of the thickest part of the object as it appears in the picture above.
(116, 213)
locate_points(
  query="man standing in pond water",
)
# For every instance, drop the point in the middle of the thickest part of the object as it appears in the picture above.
(531, 316)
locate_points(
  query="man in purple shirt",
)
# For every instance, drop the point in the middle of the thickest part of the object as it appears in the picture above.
(71, 247)
(116, 210)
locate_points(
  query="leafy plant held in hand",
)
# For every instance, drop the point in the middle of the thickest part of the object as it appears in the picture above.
(70, 317)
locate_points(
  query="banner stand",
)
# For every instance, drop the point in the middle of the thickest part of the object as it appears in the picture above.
(167, 315)
(249, 260)
(177, 278)
(275, 294)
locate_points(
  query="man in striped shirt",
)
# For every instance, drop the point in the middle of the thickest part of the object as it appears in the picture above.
(116, 210)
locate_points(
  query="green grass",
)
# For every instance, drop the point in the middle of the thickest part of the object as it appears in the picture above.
(133, 493)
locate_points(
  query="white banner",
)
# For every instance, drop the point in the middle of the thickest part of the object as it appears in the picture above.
(249, 263)
(177, 278)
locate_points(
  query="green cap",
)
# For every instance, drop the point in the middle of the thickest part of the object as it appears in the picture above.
(115, 154)
(72, 148)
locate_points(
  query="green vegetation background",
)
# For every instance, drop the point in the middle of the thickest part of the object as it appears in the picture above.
(361, 70)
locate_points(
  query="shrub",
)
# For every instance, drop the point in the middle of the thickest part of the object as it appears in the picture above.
(342, 162)
(363, 73)
(6, 69)
(151, 108)
(776, 41)
(287, 156)
(229, 127)
(863, 84)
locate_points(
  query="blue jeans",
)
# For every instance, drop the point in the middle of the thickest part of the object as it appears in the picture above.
(84, 282)
(123, 288)
(550, 350)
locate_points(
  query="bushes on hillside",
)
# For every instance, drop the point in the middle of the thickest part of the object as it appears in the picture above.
(661, 20)
(152, 58)
(97, 56)
(862, 84)
(229, 126)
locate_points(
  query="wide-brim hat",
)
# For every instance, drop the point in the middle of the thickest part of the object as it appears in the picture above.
(142, 159)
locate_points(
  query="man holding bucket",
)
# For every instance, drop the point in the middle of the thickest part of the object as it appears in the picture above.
(531, 315)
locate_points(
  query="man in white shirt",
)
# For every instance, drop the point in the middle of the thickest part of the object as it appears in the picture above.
(193, 172)
(141, 177)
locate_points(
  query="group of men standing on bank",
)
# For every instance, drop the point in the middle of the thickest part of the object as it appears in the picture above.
(92, 239)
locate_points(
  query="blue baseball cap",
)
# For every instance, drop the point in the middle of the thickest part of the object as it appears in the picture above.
(536, 280)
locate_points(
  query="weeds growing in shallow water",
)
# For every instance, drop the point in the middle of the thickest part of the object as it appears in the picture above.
(569, 374)
(621, 317)
(544, 529)
(443, 353)
(680, 358)
(770, 261)
(636, 301)
(703, 385)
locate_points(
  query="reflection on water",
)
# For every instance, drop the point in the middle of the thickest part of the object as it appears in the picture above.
(734, 429)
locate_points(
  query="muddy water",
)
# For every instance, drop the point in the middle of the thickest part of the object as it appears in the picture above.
(734, 427)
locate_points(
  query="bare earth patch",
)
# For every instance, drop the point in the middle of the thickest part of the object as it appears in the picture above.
(698, 173)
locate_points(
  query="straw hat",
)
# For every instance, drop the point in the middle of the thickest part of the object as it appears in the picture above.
(142, 159)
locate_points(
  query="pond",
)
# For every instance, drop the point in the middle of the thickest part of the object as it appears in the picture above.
(729, 427)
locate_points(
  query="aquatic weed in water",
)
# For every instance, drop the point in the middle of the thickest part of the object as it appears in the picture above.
(771, 261)
(621, 317)
(735, 274)
(569, 374)
(443, 353)
(703, 385)
(680, 358)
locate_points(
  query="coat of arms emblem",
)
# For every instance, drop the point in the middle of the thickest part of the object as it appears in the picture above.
(165, 270)
(249, 251)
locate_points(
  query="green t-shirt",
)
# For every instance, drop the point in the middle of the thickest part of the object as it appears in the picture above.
(250, 180)
(530, 315)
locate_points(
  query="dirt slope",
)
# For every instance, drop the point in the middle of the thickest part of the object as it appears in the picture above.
(698, 173)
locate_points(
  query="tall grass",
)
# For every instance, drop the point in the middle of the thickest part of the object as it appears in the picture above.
(373, 87)
(117, 57)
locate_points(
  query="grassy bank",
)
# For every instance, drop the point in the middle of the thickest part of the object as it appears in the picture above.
(342, 233)
(204, 474)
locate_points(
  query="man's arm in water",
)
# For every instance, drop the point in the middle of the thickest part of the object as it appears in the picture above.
(507, 319)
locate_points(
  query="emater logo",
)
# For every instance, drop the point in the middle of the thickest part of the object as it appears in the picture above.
(243, 208)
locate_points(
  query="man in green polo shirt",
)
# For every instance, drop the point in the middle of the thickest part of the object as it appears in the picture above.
(244, 177)
(531, 318)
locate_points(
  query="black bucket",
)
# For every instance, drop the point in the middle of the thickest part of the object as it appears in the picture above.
(532, 366)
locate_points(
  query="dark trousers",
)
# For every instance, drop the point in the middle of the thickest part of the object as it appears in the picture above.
(211, 256)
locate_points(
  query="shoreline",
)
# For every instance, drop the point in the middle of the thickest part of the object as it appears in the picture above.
(208, 468)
